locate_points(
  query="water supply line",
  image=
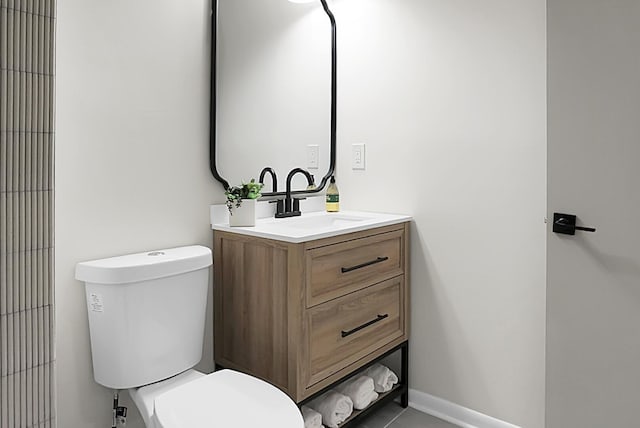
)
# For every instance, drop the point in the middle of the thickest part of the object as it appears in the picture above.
(119, 413)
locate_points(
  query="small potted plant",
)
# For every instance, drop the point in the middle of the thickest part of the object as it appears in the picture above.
(241, 202)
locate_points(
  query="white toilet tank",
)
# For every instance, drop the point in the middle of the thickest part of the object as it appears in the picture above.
(146, 314)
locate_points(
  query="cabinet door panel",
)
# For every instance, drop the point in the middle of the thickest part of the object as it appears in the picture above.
(344, 330)
(338, 269)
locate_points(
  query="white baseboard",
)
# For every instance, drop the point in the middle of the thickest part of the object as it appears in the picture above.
(452, 412)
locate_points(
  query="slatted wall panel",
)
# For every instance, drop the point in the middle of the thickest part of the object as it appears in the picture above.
(27, 29)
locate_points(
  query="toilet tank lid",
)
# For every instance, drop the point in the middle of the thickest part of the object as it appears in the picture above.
(144, 266)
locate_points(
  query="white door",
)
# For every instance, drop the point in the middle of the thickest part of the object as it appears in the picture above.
(593, 287)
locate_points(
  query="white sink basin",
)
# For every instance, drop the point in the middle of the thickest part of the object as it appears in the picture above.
(319, 221)
(315, 225)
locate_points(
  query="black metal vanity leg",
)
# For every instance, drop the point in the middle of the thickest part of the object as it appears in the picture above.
(404, 375)
(404, 400)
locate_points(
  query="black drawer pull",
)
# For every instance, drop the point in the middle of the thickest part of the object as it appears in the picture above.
(365, 264)
(367, 324)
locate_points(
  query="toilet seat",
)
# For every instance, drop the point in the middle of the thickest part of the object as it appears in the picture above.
(225, 398)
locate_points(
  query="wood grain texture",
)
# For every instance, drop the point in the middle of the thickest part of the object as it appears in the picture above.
(250, 294)
(326, 279)
(330, 351)
(297, 330)
(265, 327)
(323, 242)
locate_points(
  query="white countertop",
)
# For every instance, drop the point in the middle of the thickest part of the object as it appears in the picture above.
(314, 225)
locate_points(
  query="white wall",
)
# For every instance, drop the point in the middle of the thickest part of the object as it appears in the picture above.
(449, 98)
(131, 160)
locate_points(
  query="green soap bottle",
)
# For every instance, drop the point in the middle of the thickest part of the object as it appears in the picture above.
(333, 197)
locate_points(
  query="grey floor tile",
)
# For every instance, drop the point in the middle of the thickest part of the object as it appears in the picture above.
(394, 416)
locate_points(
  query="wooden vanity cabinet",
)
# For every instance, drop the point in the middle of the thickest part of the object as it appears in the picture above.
(304, 315)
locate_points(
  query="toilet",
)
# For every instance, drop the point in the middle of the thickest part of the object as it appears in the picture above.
(146, 319)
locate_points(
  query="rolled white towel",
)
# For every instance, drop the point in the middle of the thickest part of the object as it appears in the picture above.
(360, 390)
(383, 377)
(334, 407)
(312, 419)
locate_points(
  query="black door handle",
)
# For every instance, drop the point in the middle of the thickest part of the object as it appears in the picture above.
(365, 264)
(367, 324)
(566, 224)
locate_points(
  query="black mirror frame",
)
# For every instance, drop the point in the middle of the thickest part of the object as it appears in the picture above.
(213, 105)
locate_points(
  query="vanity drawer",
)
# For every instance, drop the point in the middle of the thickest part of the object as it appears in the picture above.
(338, 269)
(345, 330)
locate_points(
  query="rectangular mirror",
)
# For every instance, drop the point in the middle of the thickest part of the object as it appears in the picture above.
(274, 85)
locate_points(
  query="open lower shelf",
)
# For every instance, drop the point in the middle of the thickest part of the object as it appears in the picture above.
(399, 390)
(383, 399)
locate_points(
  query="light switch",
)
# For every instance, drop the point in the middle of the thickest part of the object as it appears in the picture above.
(313, 152)
(357, 158)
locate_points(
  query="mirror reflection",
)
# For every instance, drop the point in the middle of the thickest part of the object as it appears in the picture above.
(273, 100)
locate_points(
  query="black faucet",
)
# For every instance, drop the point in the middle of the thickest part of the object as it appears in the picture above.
(274, 179)
(292, 205)
(274, 187)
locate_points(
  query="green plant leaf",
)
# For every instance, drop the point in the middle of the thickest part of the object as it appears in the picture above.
(236, 194)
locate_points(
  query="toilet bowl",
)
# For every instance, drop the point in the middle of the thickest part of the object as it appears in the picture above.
(225, 398)
(146, 322)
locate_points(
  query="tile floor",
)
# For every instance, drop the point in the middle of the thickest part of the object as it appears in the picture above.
(394, 416)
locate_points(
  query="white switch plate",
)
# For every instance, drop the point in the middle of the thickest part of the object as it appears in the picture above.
(357, 158)
(313, 152)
